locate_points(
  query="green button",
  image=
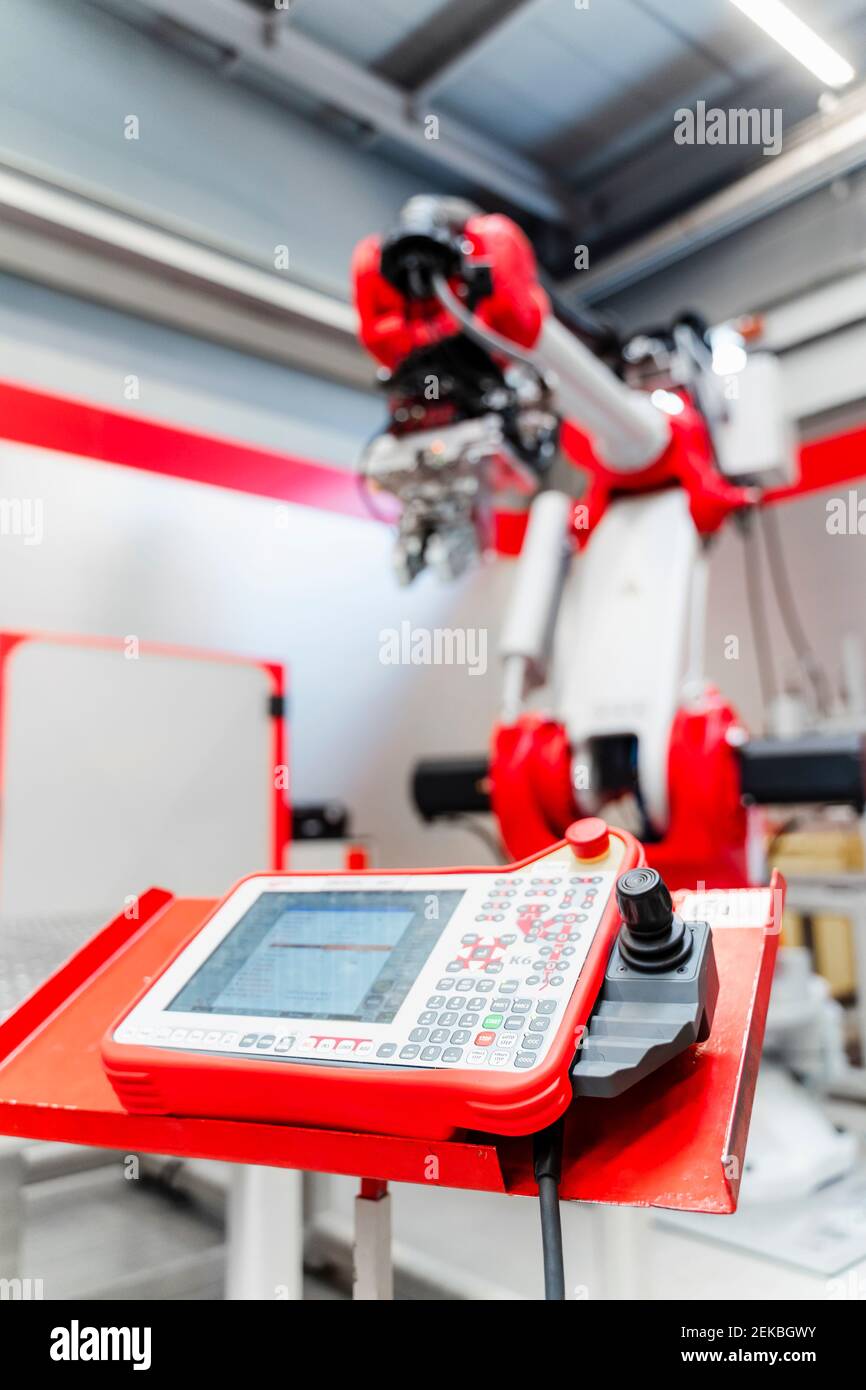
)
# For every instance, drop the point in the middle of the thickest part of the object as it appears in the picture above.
(492, 1021)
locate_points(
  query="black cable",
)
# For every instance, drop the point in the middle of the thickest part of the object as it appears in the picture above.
(800, 643)
(757, 613)
(547, 1160)
(481, 832)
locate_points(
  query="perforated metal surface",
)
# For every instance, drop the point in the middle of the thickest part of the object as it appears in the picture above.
(31, 948)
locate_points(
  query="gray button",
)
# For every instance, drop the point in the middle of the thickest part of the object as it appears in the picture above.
(448, 1019)
(248, 1039)
(455, 1003)
(547, 1006)
(508, 986)
(411, 1051)
(531, 1040)
(436, 1001)
(533, 979)
(539, 1025)
(500, 1006)
(514, 1024)
(438, 1035)
(469, 1020)
(461, 1036)
(476, 1004)
(386, 1050)
(428, 1016)
(430, 1054)
(445, 984)
(484, 986)
(266, 1040)
(418, 1035)
(521, 1006)
(452, 1054)
(495, 968)
(557, 979)
(465, 985)
(524, 1060)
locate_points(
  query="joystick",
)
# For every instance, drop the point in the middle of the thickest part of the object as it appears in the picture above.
(653, 937)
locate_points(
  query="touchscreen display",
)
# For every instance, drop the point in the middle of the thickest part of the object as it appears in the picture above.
(342, 955)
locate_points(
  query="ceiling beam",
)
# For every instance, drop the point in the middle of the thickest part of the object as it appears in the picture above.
(445, 43)
(822, 149)
(311, 67)
(54, 236)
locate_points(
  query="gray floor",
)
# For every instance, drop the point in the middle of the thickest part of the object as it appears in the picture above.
(96, 1235)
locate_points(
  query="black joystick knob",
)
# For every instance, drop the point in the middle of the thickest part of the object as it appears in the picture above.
(652, 937)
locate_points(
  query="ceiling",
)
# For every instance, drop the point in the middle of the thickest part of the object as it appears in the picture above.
(560, 113)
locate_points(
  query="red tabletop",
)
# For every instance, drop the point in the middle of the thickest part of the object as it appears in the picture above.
(675, 1140)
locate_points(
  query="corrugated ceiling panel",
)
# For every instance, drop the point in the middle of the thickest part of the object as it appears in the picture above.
(557, 66)
(361, 29)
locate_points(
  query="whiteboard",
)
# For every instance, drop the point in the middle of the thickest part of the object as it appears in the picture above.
(122, 771)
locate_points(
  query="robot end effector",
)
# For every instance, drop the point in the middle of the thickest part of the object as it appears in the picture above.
(479, 377)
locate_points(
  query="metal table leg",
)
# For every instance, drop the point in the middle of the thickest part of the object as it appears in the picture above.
(373, 1267)
(265, 1234)
(11, 1215)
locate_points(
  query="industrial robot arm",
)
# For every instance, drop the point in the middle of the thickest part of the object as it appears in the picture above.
(480, 377)
(484, 385)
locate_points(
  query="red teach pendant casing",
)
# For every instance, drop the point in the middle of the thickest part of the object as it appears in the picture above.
(529, 942)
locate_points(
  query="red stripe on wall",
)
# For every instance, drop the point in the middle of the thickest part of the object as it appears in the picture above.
(68, 426)
(840, 458)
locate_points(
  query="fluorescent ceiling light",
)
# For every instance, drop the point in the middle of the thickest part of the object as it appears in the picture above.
(799, 40)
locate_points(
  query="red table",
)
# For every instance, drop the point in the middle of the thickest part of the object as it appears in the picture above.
(675, 1140)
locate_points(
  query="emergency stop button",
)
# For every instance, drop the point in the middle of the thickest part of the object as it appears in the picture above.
(589, 838)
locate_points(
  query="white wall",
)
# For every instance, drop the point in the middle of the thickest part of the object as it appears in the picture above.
(126, 552)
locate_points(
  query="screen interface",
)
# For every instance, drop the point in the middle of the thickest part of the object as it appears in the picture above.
(342, 955)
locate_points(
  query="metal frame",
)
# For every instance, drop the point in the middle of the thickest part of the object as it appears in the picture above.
(826, 147)
(468, 42)
(316, 70)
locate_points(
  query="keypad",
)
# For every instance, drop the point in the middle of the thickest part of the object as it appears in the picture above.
(498, 1001)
